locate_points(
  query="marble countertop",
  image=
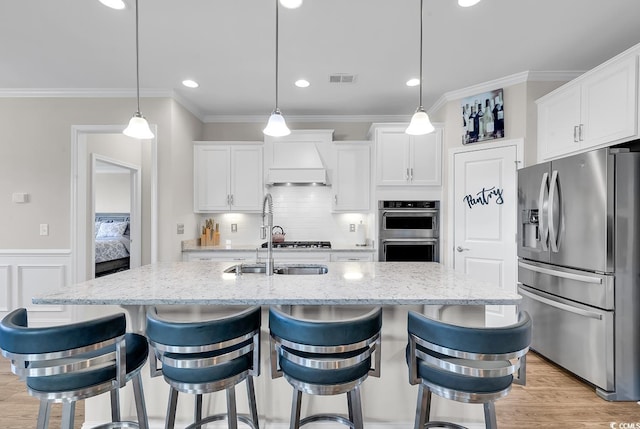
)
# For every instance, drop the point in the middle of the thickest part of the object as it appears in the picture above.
(194, 246)
(203, 282)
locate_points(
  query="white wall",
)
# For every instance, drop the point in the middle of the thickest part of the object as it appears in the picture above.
(35, 158)
(113, 192)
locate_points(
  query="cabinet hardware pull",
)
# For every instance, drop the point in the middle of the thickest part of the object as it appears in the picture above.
(411, 174)
(407, 175)
(575, 134)
(580, 134)
(231, 200)
(335, 199)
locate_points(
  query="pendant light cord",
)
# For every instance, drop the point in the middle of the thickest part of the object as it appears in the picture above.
(277, 53)
(421, 2)
(138, 62)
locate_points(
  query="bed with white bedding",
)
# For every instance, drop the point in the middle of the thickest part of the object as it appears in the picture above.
(112, 241)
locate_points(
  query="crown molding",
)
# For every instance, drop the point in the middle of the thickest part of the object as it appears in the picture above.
(82, 93)
(306, 118)
(514, 79)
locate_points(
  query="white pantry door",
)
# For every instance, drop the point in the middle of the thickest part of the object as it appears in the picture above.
(484, 234)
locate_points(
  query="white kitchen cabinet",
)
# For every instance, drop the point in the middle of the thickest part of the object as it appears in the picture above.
(597, 109)
(405, 160)
(352, 177)
(299, 256)
(220, 256)
(352, 257)
(227, 177)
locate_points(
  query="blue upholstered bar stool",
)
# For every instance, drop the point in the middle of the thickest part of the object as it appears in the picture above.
(77, 361)
(465, 364)
(325, 358)
(207, 356)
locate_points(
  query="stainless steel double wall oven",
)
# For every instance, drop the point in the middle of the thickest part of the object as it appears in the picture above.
(409, 231)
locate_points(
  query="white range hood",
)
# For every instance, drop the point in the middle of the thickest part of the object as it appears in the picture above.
(297, 161)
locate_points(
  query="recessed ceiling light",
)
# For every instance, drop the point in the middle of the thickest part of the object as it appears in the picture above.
(302, 83)
(114, 4)
(468, 3)
(291, 4)
(413, 82)
(190, 83)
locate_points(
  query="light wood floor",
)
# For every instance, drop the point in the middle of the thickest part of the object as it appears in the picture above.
(551, 399)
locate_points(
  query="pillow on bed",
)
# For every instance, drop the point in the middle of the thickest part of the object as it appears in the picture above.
(111, 229)
(96, 228)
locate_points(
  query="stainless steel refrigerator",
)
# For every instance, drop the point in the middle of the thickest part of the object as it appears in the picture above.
(579, 265)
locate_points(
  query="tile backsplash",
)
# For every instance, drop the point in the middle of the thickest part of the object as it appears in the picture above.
(304, 212)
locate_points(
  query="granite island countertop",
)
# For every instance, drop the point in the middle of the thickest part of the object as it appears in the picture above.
(204, 282)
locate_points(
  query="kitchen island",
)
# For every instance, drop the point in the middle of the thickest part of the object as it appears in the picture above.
(195, 289)
(345, 283)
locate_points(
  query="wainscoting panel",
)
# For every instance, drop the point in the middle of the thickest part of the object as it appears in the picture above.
(29, 272)
(5, 288)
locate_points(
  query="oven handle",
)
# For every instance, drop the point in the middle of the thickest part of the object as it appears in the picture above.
(409, 240)
(559, 305)
(409, 212)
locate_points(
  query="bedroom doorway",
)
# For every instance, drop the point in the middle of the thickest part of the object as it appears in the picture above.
(108, 141)
(116, 201)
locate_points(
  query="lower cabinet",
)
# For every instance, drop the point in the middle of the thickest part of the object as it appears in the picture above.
(219, 256)
(352, 257)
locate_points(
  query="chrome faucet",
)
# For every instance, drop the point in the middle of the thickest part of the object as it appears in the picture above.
(267, 210)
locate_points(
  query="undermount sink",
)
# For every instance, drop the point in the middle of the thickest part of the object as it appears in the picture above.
(301, 269)
(284, 269)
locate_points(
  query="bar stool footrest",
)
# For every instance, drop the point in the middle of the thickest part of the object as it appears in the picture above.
(244, 418)
(327, 417)
(448, 425)
(118, 425)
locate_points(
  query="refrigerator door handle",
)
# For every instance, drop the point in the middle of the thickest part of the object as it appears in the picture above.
(569, 276)
(543, 197)
(560, 305)
(554, 230)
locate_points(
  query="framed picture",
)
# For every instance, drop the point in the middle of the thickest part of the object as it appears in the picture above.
(483, 117)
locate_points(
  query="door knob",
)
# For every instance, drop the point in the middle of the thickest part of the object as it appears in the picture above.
(461, 249)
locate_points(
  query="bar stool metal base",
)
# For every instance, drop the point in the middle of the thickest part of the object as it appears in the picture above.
(354, 404)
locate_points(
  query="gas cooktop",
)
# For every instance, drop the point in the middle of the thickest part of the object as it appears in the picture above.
(300, 245)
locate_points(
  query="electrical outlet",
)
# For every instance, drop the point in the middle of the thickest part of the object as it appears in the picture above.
(44, 229)
(234, 227)
(352, 227)
(180, 228)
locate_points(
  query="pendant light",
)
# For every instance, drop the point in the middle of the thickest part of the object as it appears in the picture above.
(276, 127)
(420, 123)
(468, 3)
(138, 127)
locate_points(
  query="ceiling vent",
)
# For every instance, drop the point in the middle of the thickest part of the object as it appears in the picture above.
(342, 78)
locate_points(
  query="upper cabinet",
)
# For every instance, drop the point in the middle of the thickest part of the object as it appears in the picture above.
(352, 176)
(227, 177)
(405, 160)
(597, 109)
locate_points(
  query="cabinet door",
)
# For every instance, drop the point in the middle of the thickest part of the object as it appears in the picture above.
(558, 122)
(352, 178)
(609, 110)
(300, 256)
(246, 179)
(220, 256)
(211, 183)
(426, 159)
(392, 154)
(352, 257)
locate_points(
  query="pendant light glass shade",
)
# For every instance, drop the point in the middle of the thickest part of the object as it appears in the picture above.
(468, 3)
(291, 4)
(420, 123)
(276, 127)
(138, 127)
